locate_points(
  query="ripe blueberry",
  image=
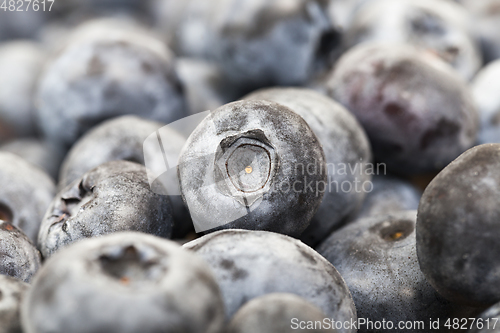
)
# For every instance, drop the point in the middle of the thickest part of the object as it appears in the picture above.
(418, 114)
(104, 73)
(252, 165)
(123, 283)
(249, 264)
(18, 256)
(458, 228)
(378, 260)
(122, 138)
(113, 197)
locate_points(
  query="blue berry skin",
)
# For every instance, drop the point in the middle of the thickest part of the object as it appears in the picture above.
(113, 197)
(20, 64)
(418, 113)
(105, 72)
(19, 258)
(378, 260)
(458, 228)
(248, 264)
(123, 138)
(123, 283)
(245, 167)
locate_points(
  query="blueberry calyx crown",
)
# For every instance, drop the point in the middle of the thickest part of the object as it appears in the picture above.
(245, 165)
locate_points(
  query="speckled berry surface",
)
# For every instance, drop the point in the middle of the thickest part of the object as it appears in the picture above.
(249, 264)
(19, 258)
(418, 113)
(125, 282)
(112, 197)
(458, 228)
(378, 260)
(105, 72)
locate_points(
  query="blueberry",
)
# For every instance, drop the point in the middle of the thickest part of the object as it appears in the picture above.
(20, 65)
(122, 138)
(125, 282)
(278, 312)
(11, 293)
(486, 92)
(486, 25)
(206, 86)
(18, 256)
(458, 229)
(252, 165)
(40, 153)
(441, 26)
(249, 264)
(389, 195)
(25, 193)
(417, 112)
(113, 197)
(346, 148)
(103, 73)
(377, 258)
(257, 43)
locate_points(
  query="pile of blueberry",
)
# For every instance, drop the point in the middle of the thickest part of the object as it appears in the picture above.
(250, 166)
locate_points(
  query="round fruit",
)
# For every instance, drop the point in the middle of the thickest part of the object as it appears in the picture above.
(104, 73)
(253, 165)
(249, 264)
(377, 258)
(125, 282)
(113, 197)
(418, 114)
(458, 228)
